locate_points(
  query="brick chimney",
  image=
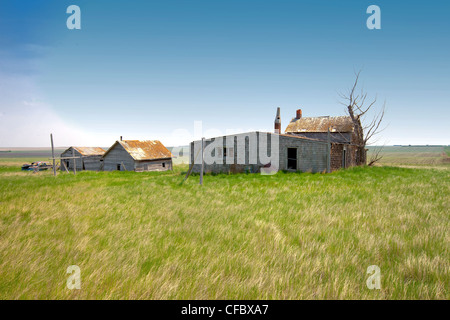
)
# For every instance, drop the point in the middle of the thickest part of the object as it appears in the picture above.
(278, 122)
(299, 113)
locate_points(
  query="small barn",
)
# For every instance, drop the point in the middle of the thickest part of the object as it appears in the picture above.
(87, 158)
(136, 155)
(346, 150)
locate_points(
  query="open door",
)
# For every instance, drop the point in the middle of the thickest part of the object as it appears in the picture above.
(292, 158)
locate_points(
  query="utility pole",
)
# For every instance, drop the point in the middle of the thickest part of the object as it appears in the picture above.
(53, 155)
(203, 162)
(328, 151)
(74, 162)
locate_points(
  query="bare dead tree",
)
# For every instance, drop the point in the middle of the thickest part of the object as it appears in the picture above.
(358, 107)
(375, 156)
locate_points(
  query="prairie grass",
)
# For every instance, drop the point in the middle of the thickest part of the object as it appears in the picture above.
(287, 236)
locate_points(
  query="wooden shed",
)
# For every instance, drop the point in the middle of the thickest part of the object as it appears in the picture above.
(87, 158)
(136, 155)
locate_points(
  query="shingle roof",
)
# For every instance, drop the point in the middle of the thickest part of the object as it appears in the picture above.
(90, 151)
(144, 150)
(320, 124)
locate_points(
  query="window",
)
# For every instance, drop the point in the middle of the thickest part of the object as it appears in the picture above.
(292, 158)
(225, 151)
(164, 165)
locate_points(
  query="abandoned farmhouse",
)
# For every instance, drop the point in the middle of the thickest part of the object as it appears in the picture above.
(126, 155)
(317, 144)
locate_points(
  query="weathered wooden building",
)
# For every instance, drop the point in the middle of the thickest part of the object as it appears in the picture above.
(320, 144)
(135, 155)
(87, 158)
(346, 149)
(252, 151)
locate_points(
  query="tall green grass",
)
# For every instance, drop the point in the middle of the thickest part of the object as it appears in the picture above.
(244, 236)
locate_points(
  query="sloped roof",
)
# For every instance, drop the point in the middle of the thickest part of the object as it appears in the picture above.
(89, 151)
(144, 150)
(320, 124)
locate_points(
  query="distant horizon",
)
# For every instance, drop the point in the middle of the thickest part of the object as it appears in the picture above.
(3, 149)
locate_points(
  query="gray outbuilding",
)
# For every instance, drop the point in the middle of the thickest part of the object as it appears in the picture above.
(87, 158)
(136, 155)
(260, 151)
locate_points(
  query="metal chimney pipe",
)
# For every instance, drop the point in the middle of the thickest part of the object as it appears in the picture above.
(278, 122)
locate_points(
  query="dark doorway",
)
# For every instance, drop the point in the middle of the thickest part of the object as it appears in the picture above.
(344, 157)
(118, 167)
(292, 159)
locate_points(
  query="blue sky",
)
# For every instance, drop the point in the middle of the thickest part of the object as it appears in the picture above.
(148, 70)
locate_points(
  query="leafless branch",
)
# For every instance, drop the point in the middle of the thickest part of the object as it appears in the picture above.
(357, 109)
(375, 157)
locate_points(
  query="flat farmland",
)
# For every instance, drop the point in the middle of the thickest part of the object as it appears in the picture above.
(244, 236)
(423, 156)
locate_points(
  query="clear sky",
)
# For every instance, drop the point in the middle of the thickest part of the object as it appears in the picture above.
(149, 69)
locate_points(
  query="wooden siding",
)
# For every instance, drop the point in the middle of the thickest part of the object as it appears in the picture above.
(91, 163)
(153, 165)
(311, 155)
(70, 162)
(118, 156)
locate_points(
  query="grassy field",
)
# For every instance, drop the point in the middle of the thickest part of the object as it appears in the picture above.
(288, 236)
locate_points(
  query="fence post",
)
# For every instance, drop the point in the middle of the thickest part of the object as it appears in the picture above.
(53, 155)
(328, 151)
(74, 162)
(203, 162)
